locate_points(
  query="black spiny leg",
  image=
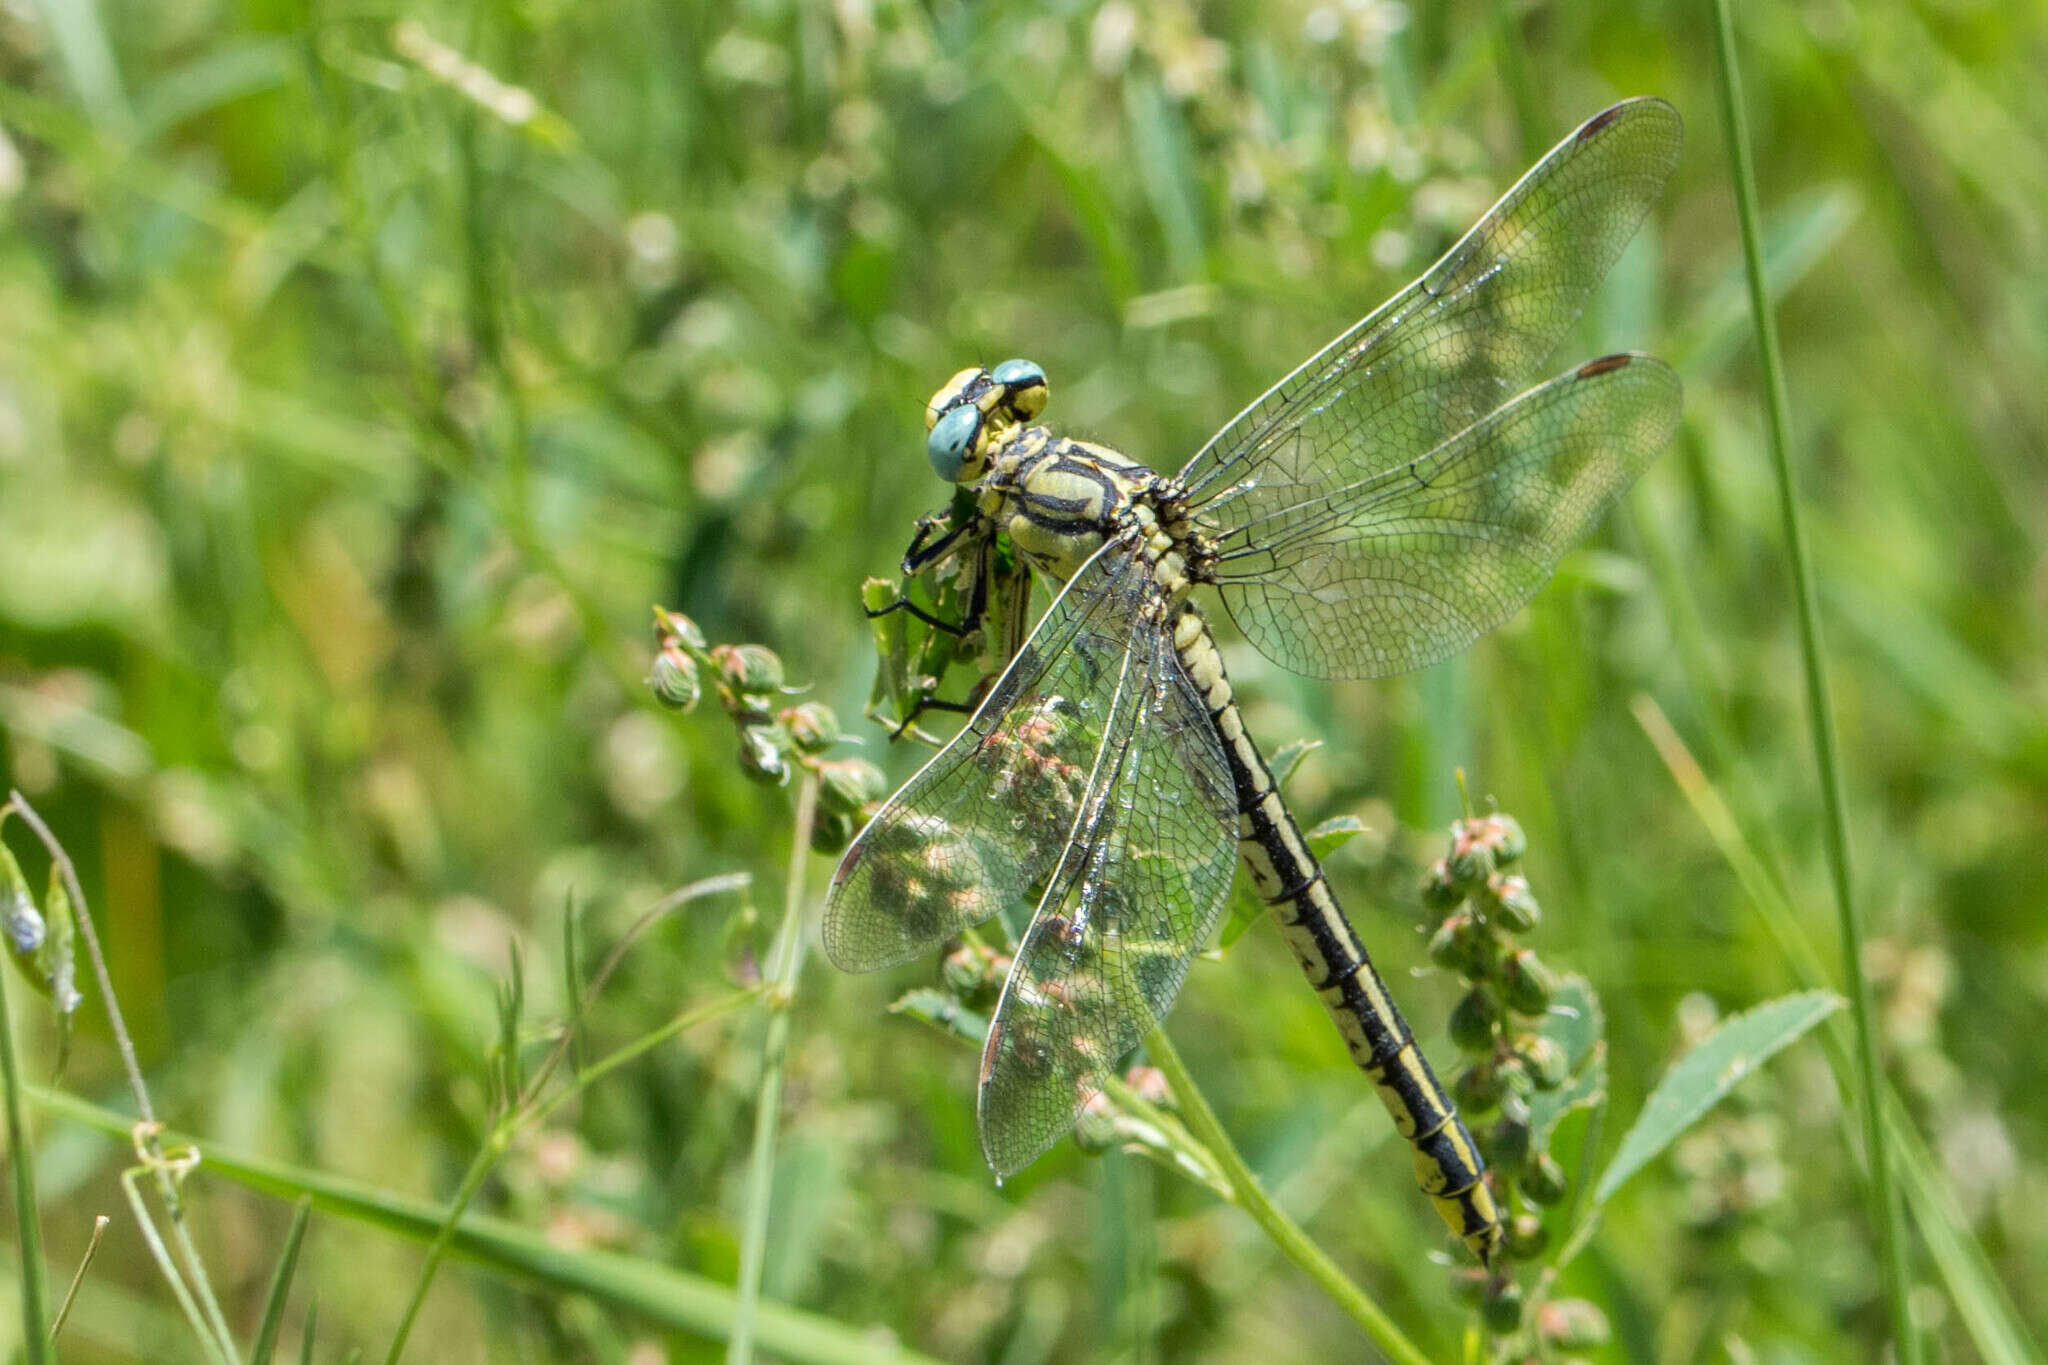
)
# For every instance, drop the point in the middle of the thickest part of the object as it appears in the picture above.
(904, 604)
(923, 555)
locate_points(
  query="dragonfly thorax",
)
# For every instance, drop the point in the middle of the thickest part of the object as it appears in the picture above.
(1059, 499)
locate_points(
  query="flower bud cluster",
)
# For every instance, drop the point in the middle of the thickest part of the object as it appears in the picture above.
(1486, 905)
(747, 682)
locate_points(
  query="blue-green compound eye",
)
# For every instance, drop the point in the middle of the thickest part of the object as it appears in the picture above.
(1018, 374)
(1023, 385)
(952, 439)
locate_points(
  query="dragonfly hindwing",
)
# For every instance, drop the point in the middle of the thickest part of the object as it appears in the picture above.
(1138, 890)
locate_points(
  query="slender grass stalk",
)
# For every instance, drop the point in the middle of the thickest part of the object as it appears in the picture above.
(1286, 1234)
(1820, 714)
(146, 1131)
(639, 1047)
(488, 1154)
(92, 1249)
(35, 1290)
(216, 1350)
(784, 967)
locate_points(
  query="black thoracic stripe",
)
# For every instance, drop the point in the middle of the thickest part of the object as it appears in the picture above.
(1073, 514)
(1081, 467)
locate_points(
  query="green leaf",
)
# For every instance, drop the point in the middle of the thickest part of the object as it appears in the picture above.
(1245, 909)
(1333, 834)
(1697, 1081)
(1575, 1022)
(280, 1286)
(1287, 759)
(1323, 840)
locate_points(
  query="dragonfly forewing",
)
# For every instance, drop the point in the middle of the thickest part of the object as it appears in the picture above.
(1147, 869)
(1399, 570)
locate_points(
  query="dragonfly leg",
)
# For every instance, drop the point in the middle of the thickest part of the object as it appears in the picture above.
(921, 556)
(904, 604)
(923, 704)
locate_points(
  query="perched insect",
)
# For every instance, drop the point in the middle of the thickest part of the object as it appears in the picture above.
(1378, 510)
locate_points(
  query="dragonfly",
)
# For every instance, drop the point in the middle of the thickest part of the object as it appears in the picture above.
(1398, 495)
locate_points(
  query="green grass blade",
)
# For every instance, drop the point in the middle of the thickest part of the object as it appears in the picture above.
(1820, 715)
(1986, 1309)
(1798, 237)
(35, 1289)
(280, 1285)
(1700, 1079)
(88, 59)
(784, 969)
(663, 1296)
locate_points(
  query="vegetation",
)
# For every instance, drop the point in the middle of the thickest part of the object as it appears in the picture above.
(370, 371)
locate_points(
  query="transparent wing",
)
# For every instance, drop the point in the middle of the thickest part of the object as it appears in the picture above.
(983, 824)
(1452, 346)
(1136, 896)
(1400, 569)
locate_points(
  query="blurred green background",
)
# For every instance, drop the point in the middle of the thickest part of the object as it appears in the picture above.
(366, 374)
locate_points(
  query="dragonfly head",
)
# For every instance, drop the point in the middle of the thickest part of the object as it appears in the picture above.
(969, 416)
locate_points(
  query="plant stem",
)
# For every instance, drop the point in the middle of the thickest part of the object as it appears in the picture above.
(1820, 715)
(35, 1290)
(147, 1129)
(161, 1254)
(784, 966)
(639, 1287)
(645, 1043)
(83, 914)
(92, 1249)
(1981, 1302)
(1286, 1234)
(496, 1143)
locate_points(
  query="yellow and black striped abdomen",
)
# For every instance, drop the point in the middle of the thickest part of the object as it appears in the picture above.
(1287, 876)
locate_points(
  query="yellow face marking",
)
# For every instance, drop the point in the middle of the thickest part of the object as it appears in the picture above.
(949, 393)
